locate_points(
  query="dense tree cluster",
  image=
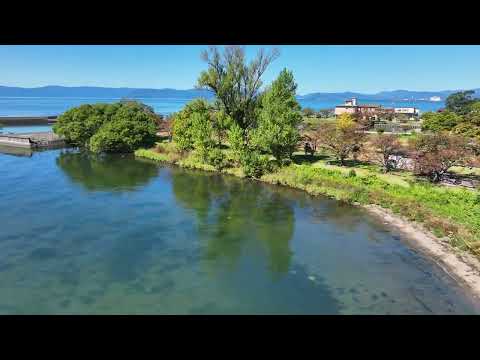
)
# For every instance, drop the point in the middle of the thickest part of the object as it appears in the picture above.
(119, 127)
(461, 116)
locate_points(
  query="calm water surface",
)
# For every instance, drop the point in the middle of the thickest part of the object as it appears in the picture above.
(84, 235)
(49, 106)
(25, 129)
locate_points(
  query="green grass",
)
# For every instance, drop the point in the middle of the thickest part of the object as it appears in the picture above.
(451, 212)
(313, 123)
(461, 170)
(325, 161)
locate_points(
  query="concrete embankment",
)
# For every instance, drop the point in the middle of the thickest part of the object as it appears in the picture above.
(32, 140)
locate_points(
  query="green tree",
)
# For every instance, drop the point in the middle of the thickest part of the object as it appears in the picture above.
(183, 123)
(202, 133)
(279, 117)
(440, 121)
(468, 130)
(473, 116)
(460, 102)
(221, 124)
(80, 123)
(235, 84)
(130, 128)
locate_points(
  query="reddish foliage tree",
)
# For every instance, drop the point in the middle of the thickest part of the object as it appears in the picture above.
(386, 149)
(342, 141)
(434, 154)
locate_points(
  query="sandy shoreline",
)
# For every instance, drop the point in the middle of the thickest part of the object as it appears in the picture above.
(461, 266)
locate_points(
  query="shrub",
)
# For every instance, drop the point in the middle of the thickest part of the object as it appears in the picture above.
(217, 159)
(236, 141)
(352, 173)
(253, 164)
(189, 122)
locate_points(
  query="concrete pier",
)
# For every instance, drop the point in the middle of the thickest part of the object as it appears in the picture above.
(32, 140)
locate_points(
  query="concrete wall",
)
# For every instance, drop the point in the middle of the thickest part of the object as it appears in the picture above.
(15, 141)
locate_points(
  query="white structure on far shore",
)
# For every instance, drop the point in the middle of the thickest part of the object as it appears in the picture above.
(435, 98)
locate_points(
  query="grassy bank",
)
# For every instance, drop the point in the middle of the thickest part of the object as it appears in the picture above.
(450, 212)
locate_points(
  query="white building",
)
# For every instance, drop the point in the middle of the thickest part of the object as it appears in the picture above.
(411, 112)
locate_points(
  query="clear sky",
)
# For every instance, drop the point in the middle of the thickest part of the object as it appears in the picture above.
(367, 69)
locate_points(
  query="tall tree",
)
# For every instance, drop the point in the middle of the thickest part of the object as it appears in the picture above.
(279, 117)
(235, 83)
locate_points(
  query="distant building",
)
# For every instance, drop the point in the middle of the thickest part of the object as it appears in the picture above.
(411, 112)
(351, 107)
(373, 111)
(435, 98)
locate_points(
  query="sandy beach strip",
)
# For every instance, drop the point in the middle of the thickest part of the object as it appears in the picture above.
(461, 266)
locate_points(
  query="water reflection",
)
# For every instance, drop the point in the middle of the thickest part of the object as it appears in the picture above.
(16, 151)
(235, 217)
(106, 172)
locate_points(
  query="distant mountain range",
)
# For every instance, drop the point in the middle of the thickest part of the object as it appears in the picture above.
(395, 95)
(133, 93)
(101, 92)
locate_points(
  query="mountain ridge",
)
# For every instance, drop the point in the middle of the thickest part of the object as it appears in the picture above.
(128, 92)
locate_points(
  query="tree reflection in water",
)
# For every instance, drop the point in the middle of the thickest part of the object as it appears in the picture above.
(236, 217)
(106, 172)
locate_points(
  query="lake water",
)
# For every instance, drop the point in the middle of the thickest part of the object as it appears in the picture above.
(49, 106)
(25, 129)
(82, 234)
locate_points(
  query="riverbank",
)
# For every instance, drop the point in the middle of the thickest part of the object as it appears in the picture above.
(450, 218)
(461, 266)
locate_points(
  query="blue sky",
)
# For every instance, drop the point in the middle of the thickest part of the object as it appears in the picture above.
(367, 69)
